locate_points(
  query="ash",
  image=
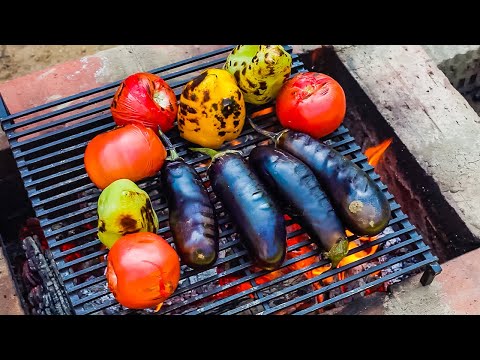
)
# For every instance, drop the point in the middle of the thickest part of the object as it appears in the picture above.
(396, 266)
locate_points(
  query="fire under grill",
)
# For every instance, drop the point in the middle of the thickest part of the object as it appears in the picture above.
(48, 143)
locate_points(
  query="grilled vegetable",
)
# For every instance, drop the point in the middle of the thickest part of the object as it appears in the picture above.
(211, 109)
(146, 99)
(258, 218)
(131, 152)
(143, 270)
(191, 213)
(260, 70)
(357, 200)
(124, 208)
(296, 185)
(312, 103)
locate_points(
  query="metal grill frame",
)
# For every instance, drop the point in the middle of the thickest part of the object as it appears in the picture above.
(41, 150)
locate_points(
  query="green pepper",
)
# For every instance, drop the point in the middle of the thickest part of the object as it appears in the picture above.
(259, 70)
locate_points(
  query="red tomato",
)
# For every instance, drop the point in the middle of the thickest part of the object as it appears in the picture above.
(143, 270)
(146, 99)
(131, 152)
(311, 102)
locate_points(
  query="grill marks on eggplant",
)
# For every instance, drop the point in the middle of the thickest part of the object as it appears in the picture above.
(295, 184)
(191, 215)
(257, 217)
(358, 201)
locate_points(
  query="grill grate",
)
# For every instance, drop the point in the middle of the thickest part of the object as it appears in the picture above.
(48, 142)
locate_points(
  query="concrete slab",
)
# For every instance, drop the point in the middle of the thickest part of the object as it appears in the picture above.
(456, 291)
(434, 123)
(441, 53)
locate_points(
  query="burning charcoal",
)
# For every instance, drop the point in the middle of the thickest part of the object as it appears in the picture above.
(30, 274)
(57, 226)
(35, 296)
(48, 297)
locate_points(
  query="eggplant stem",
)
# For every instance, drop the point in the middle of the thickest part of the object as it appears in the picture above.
(338, 252)
(273, 136)
(257, 128)
(214, 153)
(173, 153)
(210, 152)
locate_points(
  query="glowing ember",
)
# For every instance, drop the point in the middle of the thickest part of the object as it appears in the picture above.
(301, 264)
(235, 142)
(375, 153)
(234, 289)
(356, 256)
(32, 227)
(277, 273)
(265, 111)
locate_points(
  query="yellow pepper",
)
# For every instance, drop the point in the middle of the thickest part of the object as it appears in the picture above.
(211, 109)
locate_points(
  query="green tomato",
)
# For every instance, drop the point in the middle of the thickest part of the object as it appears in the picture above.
(259, 70)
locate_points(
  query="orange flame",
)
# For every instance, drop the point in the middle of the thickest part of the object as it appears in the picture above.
(235, 142)
(359, 254)
(302, 264)
(375, 153)
(234, 289)
(277, 273)
(265, 111)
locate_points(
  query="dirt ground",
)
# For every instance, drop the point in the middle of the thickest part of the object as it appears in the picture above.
(18, 60)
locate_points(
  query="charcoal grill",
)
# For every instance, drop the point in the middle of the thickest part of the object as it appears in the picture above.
(48, 143)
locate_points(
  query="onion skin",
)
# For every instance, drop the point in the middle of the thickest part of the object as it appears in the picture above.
(143, 270)
(131, 152)
(145, 99)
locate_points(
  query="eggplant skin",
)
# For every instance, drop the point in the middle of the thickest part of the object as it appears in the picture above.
(296, 185)
(191, 215)
(257, 217)
(358, 201)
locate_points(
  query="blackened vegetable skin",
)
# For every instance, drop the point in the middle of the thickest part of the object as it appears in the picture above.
(191, 215)
(358, 201)
(295, 184)
(257, 216)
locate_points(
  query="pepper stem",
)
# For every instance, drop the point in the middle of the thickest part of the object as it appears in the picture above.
(173, 153)
(273, 136)
(338, 252)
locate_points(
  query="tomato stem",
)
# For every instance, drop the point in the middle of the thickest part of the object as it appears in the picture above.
(173, 153)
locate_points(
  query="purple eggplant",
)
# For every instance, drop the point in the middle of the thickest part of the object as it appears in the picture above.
(191, 214)
(360, 204)
(292, 181)
(258, 218)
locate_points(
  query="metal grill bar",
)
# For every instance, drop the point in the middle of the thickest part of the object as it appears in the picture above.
(48, 145)
(87, 93)
(297, 286)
